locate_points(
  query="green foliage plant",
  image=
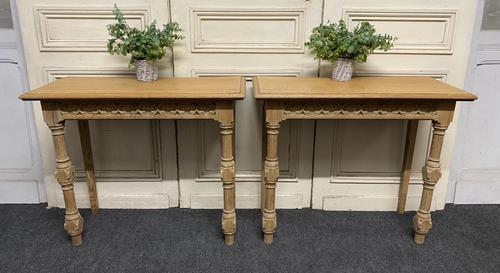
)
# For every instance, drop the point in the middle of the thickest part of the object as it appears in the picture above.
(334, 41)
(149, 44)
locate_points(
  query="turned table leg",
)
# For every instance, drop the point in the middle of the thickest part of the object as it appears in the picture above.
(88, 162)
(271, 173)
(73, 221)
(431, 173)
(411, 136)
(227, 169)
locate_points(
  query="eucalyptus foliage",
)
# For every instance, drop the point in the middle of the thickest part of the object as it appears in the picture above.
(149, 44)
(332, 41)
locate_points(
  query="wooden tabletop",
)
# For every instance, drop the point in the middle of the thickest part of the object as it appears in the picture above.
(104, 88)
(358, 88)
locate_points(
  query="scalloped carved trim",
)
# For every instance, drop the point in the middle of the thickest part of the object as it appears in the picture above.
(161, 110)
(359, 111)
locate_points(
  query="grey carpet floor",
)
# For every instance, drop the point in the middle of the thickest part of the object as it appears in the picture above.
(464, 239)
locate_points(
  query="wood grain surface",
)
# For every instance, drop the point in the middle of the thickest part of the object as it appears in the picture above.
(358, 88)
(102, 88)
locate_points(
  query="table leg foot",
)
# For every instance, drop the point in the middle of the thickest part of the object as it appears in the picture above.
(229, 227)
(269, 226)
(419, 238)
(229, 239)
(268, 239)
(73, 224)
(76, 240)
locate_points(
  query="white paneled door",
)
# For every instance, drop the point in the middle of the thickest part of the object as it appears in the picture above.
(476, 176)
(161, 164)
(20, 165)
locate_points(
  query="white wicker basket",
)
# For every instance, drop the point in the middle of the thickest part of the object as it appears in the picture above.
(146, 71)
(342, 70)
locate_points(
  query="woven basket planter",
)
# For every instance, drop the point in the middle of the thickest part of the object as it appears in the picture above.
(146, 71)
(342, 70)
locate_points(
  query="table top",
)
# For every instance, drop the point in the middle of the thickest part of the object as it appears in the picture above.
(122, 88)
(423, 88)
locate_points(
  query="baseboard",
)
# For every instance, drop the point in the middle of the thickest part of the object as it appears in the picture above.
(121, 201)
(19, 192)
(292, 201)
(369, 203)
(477, 192)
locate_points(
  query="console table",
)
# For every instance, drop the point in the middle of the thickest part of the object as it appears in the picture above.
(98, 98)
(369, 98)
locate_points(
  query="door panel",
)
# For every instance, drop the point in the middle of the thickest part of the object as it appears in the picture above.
(19, 166)
(15, 130)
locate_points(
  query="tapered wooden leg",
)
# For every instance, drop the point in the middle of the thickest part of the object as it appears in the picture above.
(431, 173)
(263, 159)
(83, 127)
(73, 221)
(227, 167)
(271, 173)
(411, 136)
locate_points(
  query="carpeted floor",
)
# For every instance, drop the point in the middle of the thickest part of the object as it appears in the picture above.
(464, 239)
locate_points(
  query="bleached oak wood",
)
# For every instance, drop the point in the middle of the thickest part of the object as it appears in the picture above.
(225, 116)
(86, 99)
(121, 88)
(273, 117)
(391, 88)
(263, 156)
(370, 98)
(431, 173)
(411, 138)
(88, 163)
(65, 175)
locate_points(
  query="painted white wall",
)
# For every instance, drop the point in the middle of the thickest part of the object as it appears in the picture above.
(476, 163)
(20, 165)
(229, 37)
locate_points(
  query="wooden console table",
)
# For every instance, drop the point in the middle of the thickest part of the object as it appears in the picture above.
(369, 98)
(99, 98)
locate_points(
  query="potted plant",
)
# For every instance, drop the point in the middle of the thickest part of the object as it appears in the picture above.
(145, 47)
(335, 43)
